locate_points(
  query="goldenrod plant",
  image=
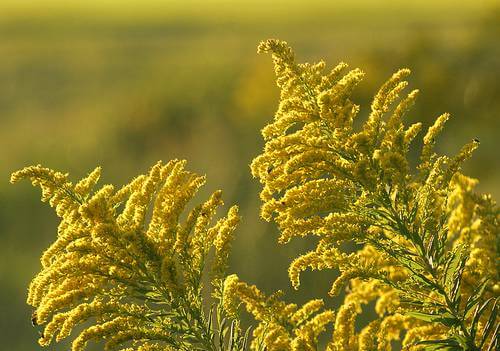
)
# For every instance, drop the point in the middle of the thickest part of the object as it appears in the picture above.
(416, 241)
(124, 260)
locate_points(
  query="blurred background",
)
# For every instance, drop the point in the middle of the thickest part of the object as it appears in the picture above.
(123, 84)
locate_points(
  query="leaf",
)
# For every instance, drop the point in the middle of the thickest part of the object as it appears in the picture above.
(441, 344)
(477, 315)
(222, 329)
(452, 265)
(462, 340)
(419, 303)
(245, 339)
(475, 297)
(495, 341)
(427, 317)
(430, 245)
(490, 324)
(445, 318)
(420, 278)
(413, 212)
(457, 280)
(409, 263)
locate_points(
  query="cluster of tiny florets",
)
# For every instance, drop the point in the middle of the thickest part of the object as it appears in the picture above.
(126, 260)
(425, 237)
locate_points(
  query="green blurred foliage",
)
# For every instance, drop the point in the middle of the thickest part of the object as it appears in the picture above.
(124, 84)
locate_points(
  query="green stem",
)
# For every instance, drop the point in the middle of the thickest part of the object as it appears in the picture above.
(402, 227)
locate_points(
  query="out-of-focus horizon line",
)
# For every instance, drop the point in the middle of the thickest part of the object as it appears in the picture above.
(151, 9)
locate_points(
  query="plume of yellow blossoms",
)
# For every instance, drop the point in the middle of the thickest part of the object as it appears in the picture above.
(423, 245)
(282, 327)
(125, 261)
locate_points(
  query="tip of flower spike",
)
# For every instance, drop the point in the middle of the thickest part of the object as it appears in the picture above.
(21, 174)
(270, 45)
(403, 72)
(399, 75)
(32, 172)
(277, 47)
(436, 128)
(14, 177)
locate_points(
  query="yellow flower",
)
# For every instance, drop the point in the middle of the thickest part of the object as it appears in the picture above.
(322, 177)
(125, 272)
(281, 326)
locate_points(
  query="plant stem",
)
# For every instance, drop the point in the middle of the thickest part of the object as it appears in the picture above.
(402, 228)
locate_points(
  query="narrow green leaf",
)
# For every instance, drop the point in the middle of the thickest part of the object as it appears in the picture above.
(477, 315)
(475, 297)
(222, 328)
(451, 267)
(441, 344)
(457, 280)
(422, 279)
(210, 319)
(495, 341)
(406, 261)
(490, 324)
(445, 318)
(246, 338)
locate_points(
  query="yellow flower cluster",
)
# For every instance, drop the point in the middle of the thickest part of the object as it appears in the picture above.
(474, 220)
(425, 237)
(126, 259)
(281, 326)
